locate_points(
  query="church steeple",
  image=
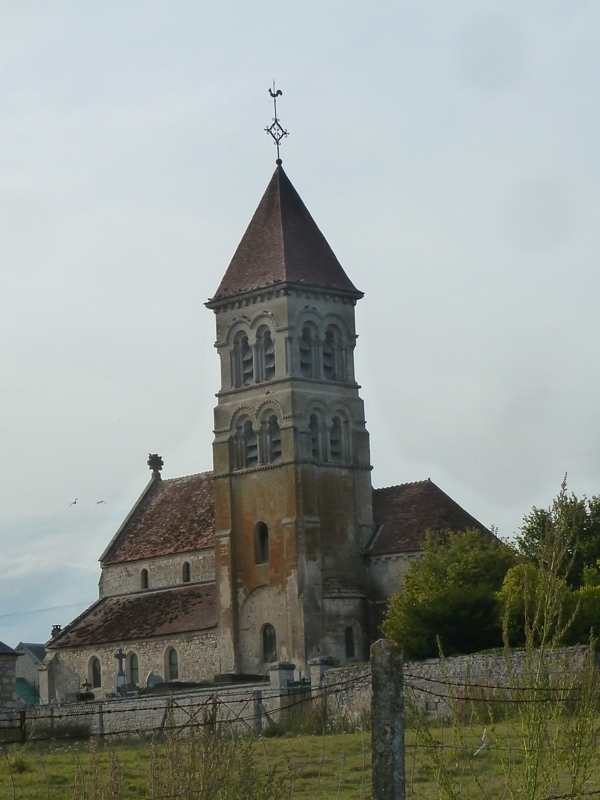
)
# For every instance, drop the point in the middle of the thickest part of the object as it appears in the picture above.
(291, 450)
(283, 244)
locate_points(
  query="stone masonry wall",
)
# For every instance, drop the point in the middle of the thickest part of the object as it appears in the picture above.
(163, 572)
(8, 684)
(429, 684)
(243, 707)
(68, 669)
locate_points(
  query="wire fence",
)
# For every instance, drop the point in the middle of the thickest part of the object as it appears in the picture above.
(388, 732)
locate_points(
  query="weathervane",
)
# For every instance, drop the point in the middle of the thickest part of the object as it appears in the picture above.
(275, 129)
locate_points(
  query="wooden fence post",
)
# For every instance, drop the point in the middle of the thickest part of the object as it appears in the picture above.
(387, 721)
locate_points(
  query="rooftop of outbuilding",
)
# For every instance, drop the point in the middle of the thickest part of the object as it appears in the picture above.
(402, 515)
(141, 616)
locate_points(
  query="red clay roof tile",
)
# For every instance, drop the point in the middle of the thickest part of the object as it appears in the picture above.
(283, 244)
(175, 516)
(141, 616)
(403, 513)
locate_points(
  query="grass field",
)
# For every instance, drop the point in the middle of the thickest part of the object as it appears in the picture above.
(442, 762)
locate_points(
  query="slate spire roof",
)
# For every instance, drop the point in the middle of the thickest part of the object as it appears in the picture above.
(283, 244)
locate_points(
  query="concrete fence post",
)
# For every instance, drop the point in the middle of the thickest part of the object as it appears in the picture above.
(387, 721)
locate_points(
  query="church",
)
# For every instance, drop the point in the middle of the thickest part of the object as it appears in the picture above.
(284, 552)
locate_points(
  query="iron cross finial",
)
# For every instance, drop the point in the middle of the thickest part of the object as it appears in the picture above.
(275, 128)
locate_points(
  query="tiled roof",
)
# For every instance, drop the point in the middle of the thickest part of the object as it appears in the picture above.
(403, 513)
(283, 243)
(35, 650)
(173, 516)
(141, 616)
(5, 650)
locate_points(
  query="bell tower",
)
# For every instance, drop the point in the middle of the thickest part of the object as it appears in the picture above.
(291, 451)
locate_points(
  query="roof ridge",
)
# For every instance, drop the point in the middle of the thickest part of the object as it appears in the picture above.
(208, 472)
(408, 483)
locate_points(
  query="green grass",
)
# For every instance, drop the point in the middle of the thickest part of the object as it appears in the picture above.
(440, 763)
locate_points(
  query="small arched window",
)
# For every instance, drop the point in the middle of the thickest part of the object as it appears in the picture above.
(271, 440)
(172, 664)
(242, 366)
(308, 361)
(336, 450)
(95, 673)
(144, 579)
(349, 642)
(261, 543)
(316, 440)
(133, 669)
(186, 572)
(266, 355)
(269, 644)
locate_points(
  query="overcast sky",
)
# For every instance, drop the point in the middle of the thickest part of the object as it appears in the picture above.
(449, 153)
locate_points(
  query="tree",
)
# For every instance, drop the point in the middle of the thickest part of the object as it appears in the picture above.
(450, 595)
(579, 524)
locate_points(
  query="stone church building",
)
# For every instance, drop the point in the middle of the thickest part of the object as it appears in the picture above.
(284, 551)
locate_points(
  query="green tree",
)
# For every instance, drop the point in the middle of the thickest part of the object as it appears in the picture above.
(579, 524)
(450, 594)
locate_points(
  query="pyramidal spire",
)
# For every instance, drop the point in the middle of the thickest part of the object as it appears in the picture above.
(283, 244)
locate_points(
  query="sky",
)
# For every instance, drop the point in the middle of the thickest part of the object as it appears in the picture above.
(448, 152)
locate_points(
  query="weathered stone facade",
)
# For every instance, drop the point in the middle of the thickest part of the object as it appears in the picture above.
(162, 572)
(8, 679)
(66, 670)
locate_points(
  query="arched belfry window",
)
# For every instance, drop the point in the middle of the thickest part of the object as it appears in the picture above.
(269, 644)
(336, 440)
(334, 366)
(271, 440)
(245, 445)
(242, 358)
(265, 350)
(308, 352)
(316, 437)
(261, 543)
(144, 579)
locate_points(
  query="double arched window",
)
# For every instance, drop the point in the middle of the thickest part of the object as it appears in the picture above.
(328, 442)
(323, 356)
(249, 449)
(252, 361)
(269, 644)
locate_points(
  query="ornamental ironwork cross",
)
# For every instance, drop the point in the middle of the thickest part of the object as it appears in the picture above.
(275, 129)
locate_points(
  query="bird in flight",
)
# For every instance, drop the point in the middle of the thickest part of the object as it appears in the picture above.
(74, 502)
(100, 501)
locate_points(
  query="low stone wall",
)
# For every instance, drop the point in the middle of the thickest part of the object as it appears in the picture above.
(431, 684)
(244, 707)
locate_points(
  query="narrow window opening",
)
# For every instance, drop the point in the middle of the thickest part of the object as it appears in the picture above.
(335, 440)
(329, 370)
(250, 445)
(269, 356)
(134, 669)
(173, 665)
(349, 642)
(247, 362)
(144, 579)
(269, 644)
(187, 572)
(274, 440)
(261, 543)
(307, 360)
(315, 437)
(95, 676)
